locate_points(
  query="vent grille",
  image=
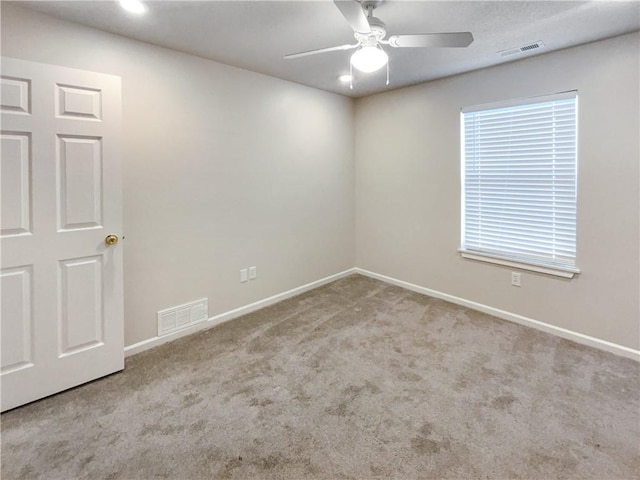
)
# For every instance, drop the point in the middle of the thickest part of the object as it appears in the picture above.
(522, 49)
(182, 316)
(529, 47)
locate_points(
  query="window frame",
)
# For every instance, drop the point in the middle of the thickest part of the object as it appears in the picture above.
(507, 259)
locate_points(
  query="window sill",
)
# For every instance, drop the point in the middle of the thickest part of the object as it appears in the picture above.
(564, 272)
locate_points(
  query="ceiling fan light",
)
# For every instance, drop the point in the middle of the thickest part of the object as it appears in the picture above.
(133, 6)
(369, 59)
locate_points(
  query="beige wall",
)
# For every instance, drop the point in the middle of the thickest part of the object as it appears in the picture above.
(408, 189)
(223, 169)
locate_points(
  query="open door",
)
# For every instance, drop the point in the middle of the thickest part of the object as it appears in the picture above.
(61, 271)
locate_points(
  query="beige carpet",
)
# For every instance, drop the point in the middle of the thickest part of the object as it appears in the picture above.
(357, 379)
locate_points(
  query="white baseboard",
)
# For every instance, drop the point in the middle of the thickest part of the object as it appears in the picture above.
(231, 314)
(527, 322)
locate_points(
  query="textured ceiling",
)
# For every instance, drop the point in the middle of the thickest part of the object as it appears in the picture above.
(255, 35)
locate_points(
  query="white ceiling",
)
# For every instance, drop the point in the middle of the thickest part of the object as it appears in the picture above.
(255, 35)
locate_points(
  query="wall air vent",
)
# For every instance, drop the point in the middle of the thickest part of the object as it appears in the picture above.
(182, 316)
(522, 49)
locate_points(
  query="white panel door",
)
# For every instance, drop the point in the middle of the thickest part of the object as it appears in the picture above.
(61, 307)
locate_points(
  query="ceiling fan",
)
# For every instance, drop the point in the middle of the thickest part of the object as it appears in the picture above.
(370, 33)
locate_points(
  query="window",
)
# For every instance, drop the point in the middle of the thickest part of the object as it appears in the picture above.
(519, 175)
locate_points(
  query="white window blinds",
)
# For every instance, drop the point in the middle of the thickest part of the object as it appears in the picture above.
(519, 173)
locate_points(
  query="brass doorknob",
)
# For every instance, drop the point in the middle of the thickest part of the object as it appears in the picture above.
(111, 239)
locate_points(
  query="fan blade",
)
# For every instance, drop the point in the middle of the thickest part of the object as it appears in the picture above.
(353, 12)
(320, 50)
(457, 39)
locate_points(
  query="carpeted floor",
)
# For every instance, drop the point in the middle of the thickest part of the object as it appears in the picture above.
(357, 379)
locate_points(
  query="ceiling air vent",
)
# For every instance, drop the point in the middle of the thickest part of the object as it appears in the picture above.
(522, 49)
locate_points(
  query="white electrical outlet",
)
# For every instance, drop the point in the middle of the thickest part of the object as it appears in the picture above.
(515, 279)
(243, 275)
(253, 273)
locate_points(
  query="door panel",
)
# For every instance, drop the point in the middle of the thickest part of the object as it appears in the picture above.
(79, 165)
(61, 286)
(16, 93)
(17, 310)
(16, 183)
(78, 102)
(81, 322)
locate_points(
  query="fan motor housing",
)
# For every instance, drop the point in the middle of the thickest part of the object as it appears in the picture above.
(378, 28)
(366, 4)
(378, 31)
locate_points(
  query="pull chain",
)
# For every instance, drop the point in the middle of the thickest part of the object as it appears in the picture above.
(387, 72)
(350, 76)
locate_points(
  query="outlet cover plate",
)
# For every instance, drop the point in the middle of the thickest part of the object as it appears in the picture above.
(516, 279)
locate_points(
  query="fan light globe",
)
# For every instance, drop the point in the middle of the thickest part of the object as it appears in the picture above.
(369, 59)
(133, 6)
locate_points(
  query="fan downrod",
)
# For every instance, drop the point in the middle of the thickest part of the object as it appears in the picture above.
(378, 28)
